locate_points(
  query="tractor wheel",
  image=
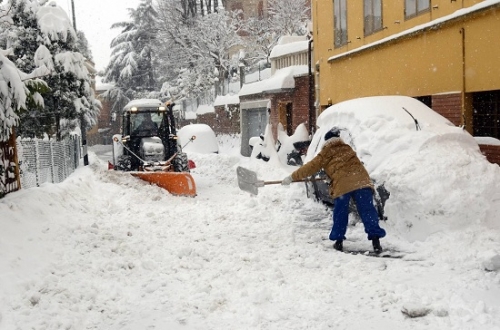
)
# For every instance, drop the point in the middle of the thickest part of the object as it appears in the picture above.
(180, 162)
(124, 163)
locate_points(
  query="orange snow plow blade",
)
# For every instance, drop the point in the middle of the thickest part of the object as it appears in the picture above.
(177, 183)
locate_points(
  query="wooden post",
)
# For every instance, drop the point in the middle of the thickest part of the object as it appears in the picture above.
(17, 172)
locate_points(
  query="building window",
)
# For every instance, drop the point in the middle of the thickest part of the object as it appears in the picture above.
(340, 22)
(373, 16)
(486, 114)
(416, 7)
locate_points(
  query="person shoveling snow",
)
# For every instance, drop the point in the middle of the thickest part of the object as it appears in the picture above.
(349, 180)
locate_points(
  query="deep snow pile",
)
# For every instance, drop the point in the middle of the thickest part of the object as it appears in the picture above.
(104, 250)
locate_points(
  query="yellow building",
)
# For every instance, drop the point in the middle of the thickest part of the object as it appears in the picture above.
(444, 52)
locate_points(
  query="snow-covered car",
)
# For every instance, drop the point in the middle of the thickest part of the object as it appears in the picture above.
(204, 141)
(392, 136)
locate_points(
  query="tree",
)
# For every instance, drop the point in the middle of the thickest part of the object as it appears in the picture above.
(289, 17)
(285, 17)
(83, 45)
(199, 45)
(43, 42)
(132, 67)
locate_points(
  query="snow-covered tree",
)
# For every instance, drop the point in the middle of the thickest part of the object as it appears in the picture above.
(13, 96)
(18, 91)
(194, 8)
(43, 42)
(132, 67)
(199, 47)
(289, 17)
(83, 45)
(285, 17)
(261, 37)
(132, 61)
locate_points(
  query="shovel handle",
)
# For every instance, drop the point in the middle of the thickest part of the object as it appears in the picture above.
(303, 180)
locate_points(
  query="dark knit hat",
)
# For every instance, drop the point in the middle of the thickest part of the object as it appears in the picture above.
(334, 132)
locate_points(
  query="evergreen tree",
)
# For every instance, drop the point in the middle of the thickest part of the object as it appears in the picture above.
(132, 67)
(83, 46)
(43, 41)
(21, 38)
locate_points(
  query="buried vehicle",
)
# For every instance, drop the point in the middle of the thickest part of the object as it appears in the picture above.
(148, 148)
(393, 136)
(205, 142)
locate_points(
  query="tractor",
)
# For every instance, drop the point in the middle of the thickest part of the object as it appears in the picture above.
(147, 147)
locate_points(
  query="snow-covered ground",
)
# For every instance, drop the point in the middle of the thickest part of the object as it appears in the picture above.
(104, 250)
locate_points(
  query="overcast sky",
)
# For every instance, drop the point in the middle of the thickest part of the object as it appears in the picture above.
(94, 18)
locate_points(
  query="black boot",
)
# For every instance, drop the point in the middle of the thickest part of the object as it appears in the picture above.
(338, 245)
(377, 248)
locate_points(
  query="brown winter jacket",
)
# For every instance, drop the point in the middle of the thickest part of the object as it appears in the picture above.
(341, 165)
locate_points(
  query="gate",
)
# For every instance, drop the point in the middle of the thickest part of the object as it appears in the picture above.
(9, 171)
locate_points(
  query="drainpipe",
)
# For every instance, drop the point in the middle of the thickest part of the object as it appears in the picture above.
(462, 96)
(312, 116)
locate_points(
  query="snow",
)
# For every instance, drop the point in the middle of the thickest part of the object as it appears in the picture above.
(104, 250)
(282, 79)
(143, 103)
(415, 165)
(205, 141)
(487, 140)
(54, 22)
(190, 115)
(226, 99)
(204, 108)
(291, 47)
(13, 95)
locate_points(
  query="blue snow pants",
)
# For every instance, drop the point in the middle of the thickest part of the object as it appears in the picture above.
(364, 203)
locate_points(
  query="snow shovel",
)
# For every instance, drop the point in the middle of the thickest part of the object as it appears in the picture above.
(247, 180)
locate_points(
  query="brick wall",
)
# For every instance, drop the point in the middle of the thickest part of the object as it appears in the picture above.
(104, 130)
(209, 119)
(228, 119)
(492, 153)
(449, 106)
(299, 97)
(222, 121)
(301, 102)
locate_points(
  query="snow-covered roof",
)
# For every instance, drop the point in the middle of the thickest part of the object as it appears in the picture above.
(487, 140)
(290, 48)
(290, 39)
(143, 103)
(204, 108)
(459, 13)
(226, 99)
(282, 79)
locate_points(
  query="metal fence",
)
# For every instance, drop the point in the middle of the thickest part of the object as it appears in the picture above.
(47, 161)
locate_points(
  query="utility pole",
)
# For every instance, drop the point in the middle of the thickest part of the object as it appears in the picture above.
(312, 112)
(82, 117)
(73, 12)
